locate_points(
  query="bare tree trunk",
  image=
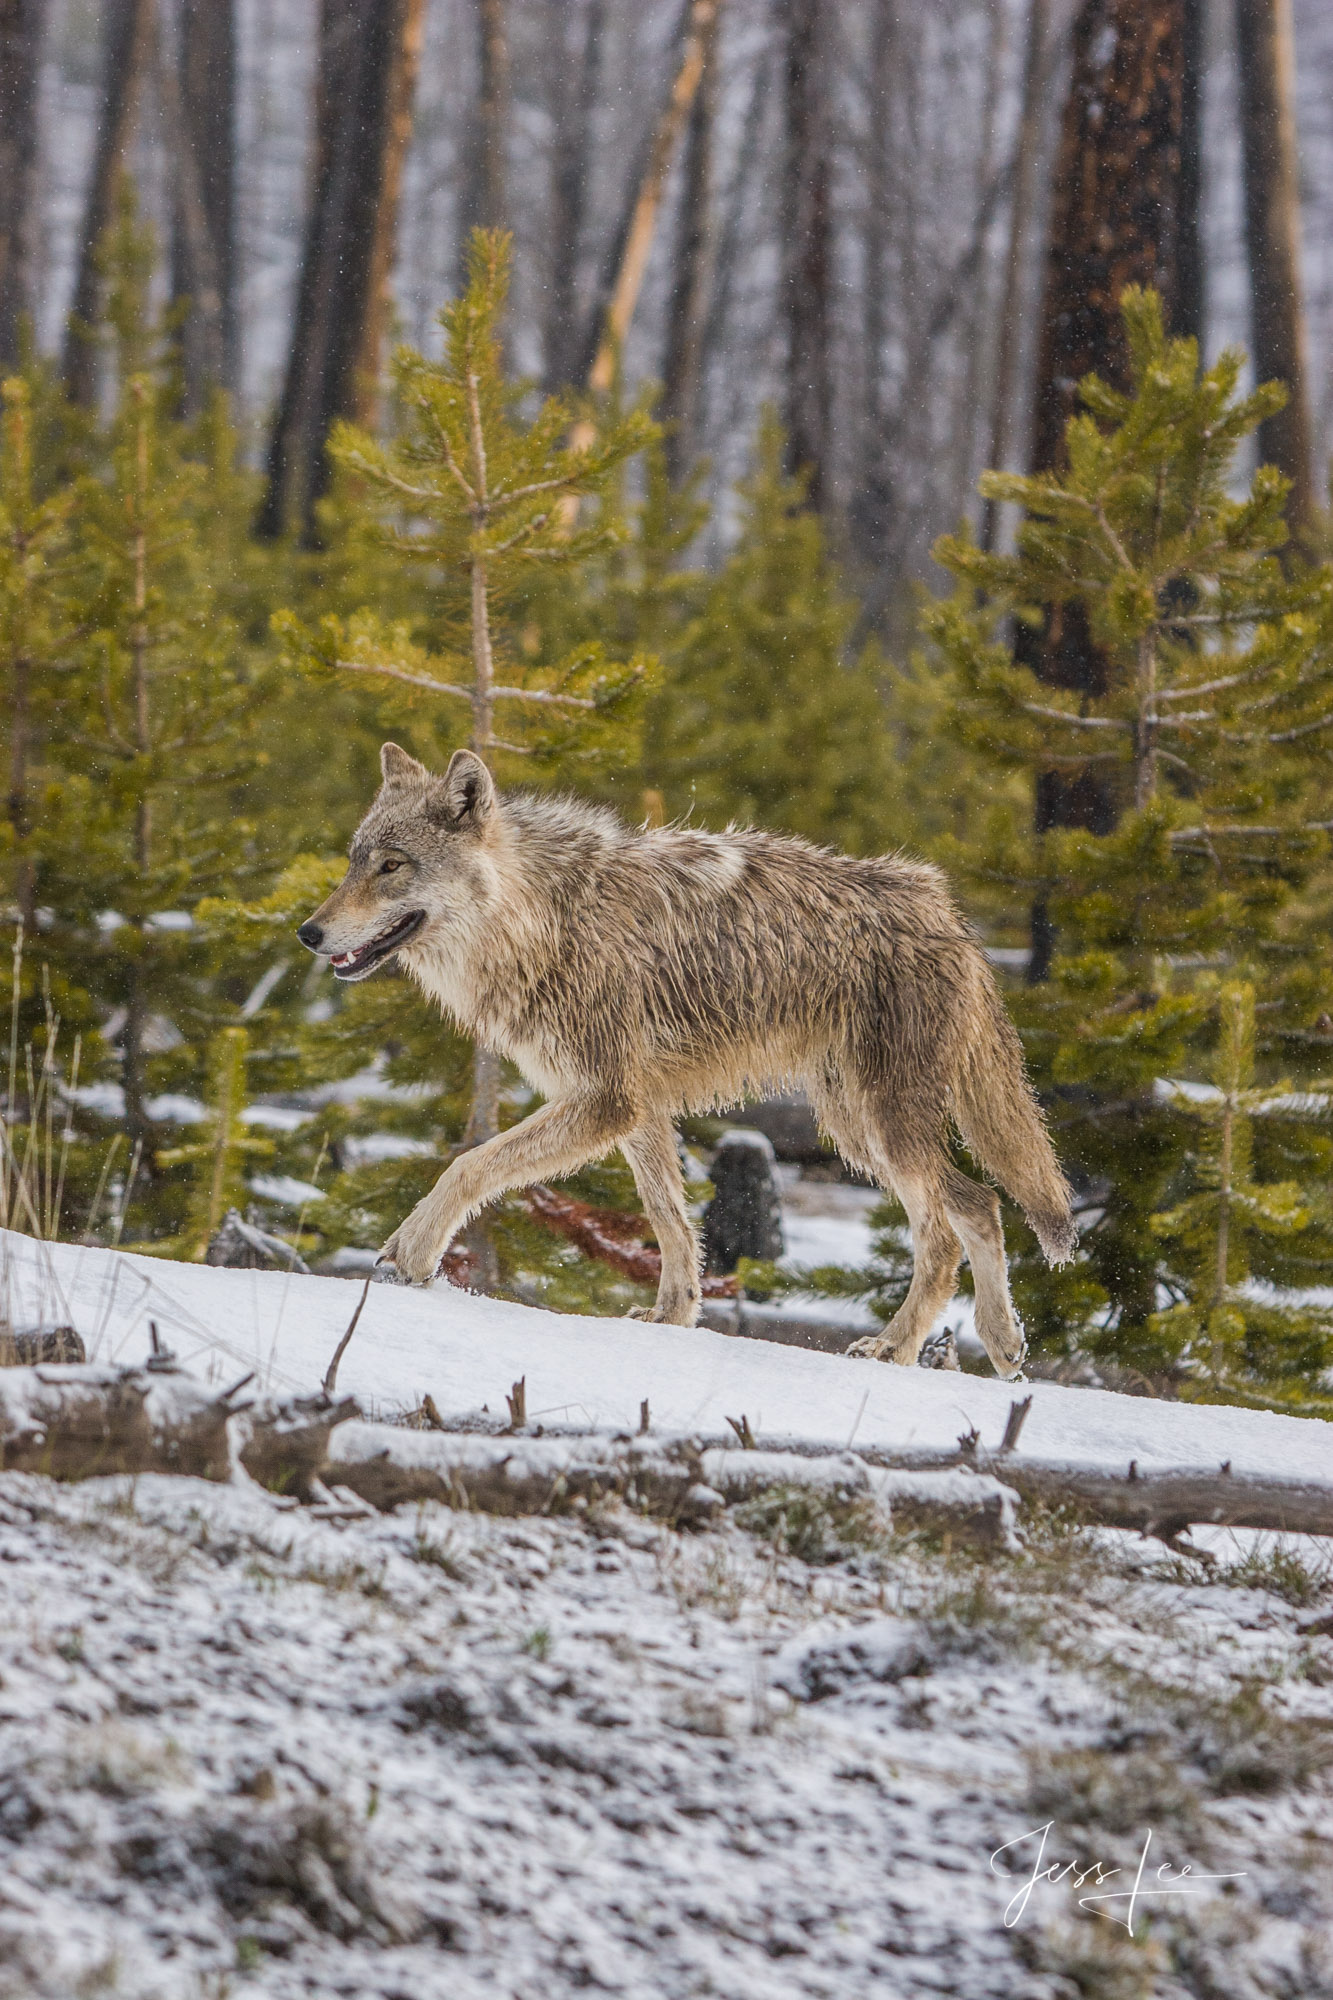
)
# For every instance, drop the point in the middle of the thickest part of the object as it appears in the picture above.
(573, 98)
(485, 202)
(807, 243)
(622, 274)
(1189, 310)
(1005, 398)
(202, 108)
(874, 500)
(402, 89)
(366, 53)
(687, 312)
(978, 345)
(1116, 220)
(21, 24)
(128, 48)
(1273, 237)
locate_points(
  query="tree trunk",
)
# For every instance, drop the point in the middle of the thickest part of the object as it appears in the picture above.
(687, 312)
(1273, 238)
(807, 243)
(406, 63)
(204, 259)
(1117, 219)
(977, 342)
(1005, 398)
(485, 202)
(21, 23)
(623, 271)
(1188, 317)
(874, 500)
(573, 99)
(128, 45)
(366, 68)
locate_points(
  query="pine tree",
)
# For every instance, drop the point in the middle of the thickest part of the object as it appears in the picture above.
(137, 736)
(1233, 1227)
(220, 1160)
(479, 499)
(1210, 732)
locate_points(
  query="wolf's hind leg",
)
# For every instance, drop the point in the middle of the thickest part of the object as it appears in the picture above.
(974, 1211)
(651, 1151)
(558, 1139)
(936, 1253)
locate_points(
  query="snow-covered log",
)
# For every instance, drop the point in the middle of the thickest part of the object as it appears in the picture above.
(971, 1506)
(514, 1474)
(1162, 1503)
(285, 1445)
(75, 1422)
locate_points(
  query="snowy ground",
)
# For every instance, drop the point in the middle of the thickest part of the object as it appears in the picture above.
(245, 1751)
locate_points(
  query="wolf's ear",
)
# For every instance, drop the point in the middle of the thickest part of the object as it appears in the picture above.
(397, 765)
(465, 795)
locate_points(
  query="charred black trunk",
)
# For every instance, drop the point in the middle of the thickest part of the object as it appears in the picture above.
(365, 51)
(1121, 216)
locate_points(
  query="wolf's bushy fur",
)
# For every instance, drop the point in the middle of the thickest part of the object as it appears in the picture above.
(633, 974)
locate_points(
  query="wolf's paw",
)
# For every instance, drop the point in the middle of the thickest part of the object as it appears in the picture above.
(874, 1348)
(413, 1251)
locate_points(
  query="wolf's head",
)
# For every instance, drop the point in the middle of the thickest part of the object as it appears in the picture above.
(416, 863)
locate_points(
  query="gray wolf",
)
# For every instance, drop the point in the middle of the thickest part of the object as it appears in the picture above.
(635, 974)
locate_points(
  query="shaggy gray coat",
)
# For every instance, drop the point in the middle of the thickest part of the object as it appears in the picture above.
(633, 974)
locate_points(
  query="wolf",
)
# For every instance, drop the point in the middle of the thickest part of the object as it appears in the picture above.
(634, 974)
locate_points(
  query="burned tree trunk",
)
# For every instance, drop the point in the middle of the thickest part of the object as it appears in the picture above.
(128, 45)
(687, 312)
(1273, 238)
(203, 101)
(574, 81)
(366, 71)
(20, 45)
(807, 195)
(1117, 219)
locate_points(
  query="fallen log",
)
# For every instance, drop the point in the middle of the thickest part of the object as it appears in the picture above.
(515, 1475)
(285, 1445)
(78, 1421)
(971, 1507)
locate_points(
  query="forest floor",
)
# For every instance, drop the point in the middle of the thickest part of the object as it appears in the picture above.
(249, 1751)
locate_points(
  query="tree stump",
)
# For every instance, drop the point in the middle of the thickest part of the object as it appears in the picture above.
(744, 1218)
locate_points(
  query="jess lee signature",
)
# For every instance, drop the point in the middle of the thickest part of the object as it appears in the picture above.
(1148, 1885)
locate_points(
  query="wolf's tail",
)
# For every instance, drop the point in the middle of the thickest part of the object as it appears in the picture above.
(1002, 1124)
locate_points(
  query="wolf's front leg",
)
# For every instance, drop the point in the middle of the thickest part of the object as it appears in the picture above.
(651, 1152)
(559, 1139)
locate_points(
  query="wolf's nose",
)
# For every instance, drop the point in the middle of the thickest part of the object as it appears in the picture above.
(311, 934)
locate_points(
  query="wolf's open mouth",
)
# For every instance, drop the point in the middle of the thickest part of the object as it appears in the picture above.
(356, 964)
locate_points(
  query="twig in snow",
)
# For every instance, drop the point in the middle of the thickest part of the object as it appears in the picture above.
(644, 1424)
(741, 1426)
(517, 1400)
(1018, 1416)
(331, 1374)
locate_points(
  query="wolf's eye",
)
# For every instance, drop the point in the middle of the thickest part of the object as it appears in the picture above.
(390, 867)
